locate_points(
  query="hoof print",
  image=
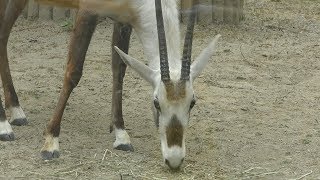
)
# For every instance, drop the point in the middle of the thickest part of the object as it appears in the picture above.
(47, 155)
(125, 147)
(19, 122)
(7, 137)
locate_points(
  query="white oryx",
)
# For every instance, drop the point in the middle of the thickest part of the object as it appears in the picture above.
(169, 73)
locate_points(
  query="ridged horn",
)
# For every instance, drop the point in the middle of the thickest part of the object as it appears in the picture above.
(164, 64)
(187, 49)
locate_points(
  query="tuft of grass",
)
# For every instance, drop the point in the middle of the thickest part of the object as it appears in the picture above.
(306, 141)
(67, 25)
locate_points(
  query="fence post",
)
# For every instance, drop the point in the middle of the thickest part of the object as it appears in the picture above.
(226, 11)
(184, 6)
(59, 13)
(45, 12)
(33, 9)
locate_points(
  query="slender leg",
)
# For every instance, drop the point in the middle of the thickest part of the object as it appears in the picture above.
(5, 128)
(121, 38)
(80, 40)
(7, 20)
(13, 10)
(3, 5)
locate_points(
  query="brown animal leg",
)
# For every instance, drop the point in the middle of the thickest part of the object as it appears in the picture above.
(13, 9)
(81, 36)
(4, 134)
(121, 38)
(3, 5)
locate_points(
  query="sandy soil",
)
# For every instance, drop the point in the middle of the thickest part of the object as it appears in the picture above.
(257, 116)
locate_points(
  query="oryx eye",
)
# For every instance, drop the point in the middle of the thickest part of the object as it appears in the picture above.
(193, 102)
(156, 104)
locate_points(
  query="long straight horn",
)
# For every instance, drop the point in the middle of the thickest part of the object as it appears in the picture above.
(164, 65)
(186, 57)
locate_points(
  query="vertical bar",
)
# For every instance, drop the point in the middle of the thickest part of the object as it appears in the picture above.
(45, 12)
(185, 5)
(236, 12)
(73, 15)
(59, 13)
(205, 11)
(241, 10)
(227, 11)
(33, 10)
(218, 6)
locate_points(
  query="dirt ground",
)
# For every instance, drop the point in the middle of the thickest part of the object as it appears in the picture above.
(257, 114)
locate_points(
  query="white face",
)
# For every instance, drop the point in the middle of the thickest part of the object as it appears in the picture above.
(172, 104)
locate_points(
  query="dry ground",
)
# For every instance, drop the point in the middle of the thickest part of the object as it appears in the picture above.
(257, 116)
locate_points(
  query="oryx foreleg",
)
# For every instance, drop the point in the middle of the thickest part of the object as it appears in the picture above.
(84, 28)
(9, 12)
(121, 38)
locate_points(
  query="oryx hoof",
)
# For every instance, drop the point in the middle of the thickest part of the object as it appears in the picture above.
(7, 137)
(47, 155)
(19, 122)
(125, 147)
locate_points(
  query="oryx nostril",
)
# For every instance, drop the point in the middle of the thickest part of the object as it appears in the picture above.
(167, 162)
(182, 160)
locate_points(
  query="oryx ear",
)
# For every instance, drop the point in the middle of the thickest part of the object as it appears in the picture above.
(144, 71)
(202, 60)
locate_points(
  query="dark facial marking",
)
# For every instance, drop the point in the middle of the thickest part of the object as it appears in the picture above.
(157, 114)
(174, 132)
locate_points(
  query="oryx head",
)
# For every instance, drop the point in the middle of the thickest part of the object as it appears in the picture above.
(173, 95)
